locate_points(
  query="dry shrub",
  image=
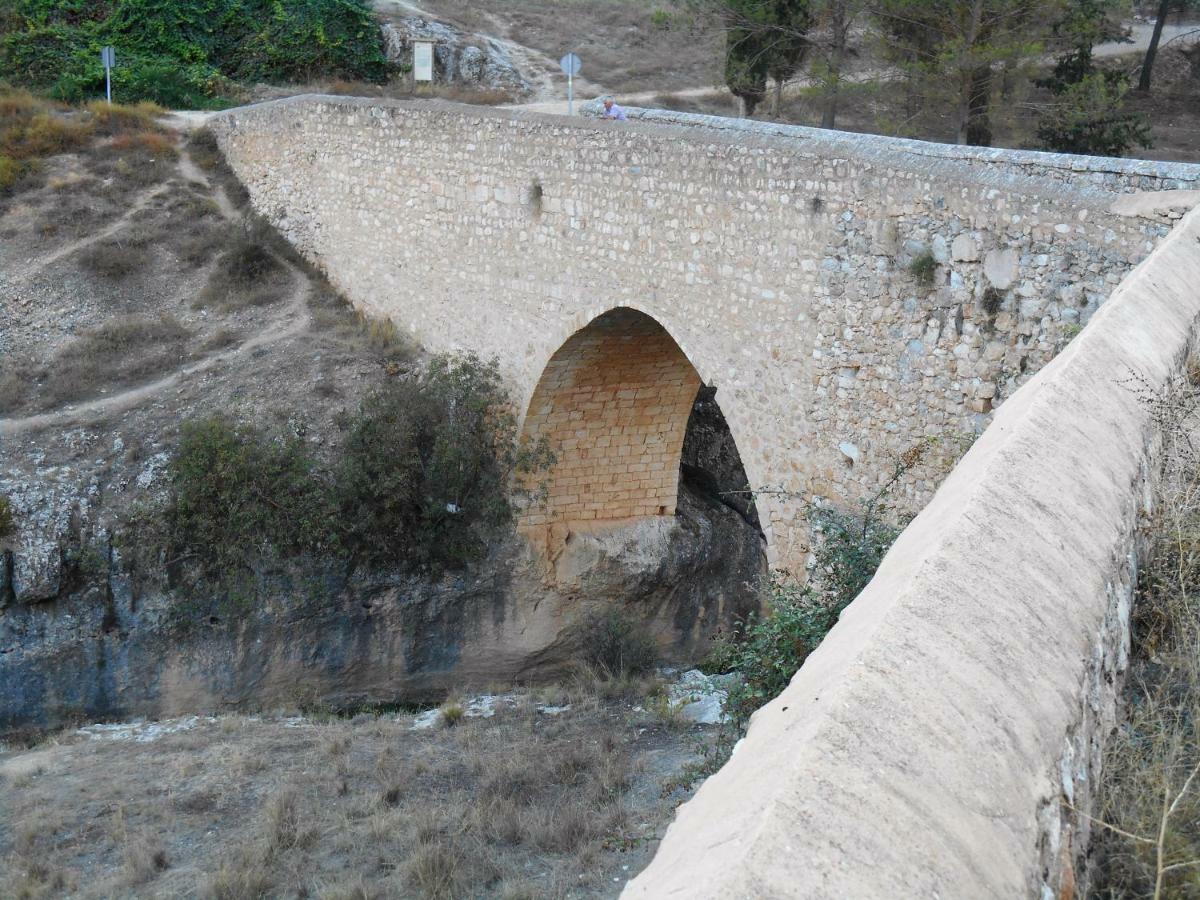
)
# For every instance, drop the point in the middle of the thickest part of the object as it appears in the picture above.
(45, 134)
(1150, 783)
(249, 272)
(120, 350)
(286, 823)
(116, 259)
(153, 144)
(33, 879)
(144, 857)
(115, 118)
(242, 879)
(438, 870)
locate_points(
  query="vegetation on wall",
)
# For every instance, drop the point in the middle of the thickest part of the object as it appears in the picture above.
(186, 53)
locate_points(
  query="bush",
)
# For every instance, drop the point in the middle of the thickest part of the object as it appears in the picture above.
(248, 273)
(7, 521)
(616, 646)
(421, 481)
(767, 651)
(187, 54)
(239, 495)
(427, 465)
(924, 269)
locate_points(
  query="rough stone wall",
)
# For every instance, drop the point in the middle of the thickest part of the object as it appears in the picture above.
(614, 402)
(932, 743)
(779, 265)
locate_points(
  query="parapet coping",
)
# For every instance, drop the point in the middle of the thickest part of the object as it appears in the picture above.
(956, 166)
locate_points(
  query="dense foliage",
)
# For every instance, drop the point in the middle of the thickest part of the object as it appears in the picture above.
(767, 651)
(185, 53)
(1087, 115)
(421, 481)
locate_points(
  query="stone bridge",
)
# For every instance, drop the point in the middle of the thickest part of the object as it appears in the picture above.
(848, 297)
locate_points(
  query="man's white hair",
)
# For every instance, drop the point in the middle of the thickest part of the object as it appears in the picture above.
(607, 97)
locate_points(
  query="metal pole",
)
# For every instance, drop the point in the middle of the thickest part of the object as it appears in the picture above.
(570, 93)
(108, 83)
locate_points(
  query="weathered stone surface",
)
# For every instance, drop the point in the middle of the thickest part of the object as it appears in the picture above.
(926, 748)
(376, 637)
(964, 248)
(1000, 268)
(458, 57)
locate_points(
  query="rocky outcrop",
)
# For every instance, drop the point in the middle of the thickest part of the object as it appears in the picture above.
(458, 57)
(104, 646)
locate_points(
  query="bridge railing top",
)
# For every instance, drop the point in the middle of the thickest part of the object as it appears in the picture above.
(1184, 173)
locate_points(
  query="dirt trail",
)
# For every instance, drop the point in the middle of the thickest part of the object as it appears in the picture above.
(538, 68)
(293, 321)
(67, 249)
(102, 407)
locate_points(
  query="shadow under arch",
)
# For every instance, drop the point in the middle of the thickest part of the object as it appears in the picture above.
(614, 402)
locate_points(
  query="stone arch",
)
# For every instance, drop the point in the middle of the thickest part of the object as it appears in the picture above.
(614, 402)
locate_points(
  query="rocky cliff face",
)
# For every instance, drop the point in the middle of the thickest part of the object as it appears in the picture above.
(79, 638)
(458, 57)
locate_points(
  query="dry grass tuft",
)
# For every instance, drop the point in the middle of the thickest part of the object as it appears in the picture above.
(121, 350)
(118, 119)
(1147, 840)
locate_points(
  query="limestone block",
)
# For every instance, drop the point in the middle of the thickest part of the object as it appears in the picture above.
(964, 248)
(1000, 268)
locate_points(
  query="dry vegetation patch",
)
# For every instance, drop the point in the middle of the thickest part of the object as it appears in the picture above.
(523, 804)
(1146, 842)
(121, 351)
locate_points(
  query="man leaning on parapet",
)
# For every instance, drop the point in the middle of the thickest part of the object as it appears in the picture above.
(611, 110)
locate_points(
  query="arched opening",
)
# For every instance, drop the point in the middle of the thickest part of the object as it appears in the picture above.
(615, 403)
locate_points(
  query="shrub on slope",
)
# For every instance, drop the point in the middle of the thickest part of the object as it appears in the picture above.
(186, 53)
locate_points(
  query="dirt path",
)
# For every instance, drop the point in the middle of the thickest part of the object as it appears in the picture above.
(535, 66)
(293, 321)
(74, 246)
(102, 407)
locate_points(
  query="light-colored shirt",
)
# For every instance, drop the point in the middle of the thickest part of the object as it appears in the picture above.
(615, 112)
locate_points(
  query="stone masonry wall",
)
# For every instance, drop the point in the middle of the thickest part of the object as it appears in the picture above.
(780, 266)
(614, 402)
(946, 738)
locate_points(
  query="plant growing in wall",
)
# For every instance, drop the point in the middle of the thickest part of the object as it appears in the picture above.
(924, 269)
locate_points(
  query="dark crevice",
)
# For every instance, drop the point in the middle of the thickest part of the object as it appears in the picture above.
(710, 465)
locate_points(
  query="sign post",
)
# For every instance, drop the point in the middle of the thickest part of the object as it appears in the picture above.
(108, 56)
(422, 61)
(570, 64)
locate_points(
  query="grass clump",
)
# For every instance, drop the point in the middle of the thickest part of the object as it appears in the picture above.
(616, 646)
(924, 269)
(8, 522)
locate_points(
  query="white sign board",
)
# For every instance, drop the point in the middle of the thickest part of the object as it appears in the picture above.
(423, 60)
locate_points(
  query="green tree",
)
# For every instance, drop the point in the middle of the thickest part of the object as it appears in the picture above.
(763, 39)
(1086, 115)
(954, 50)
